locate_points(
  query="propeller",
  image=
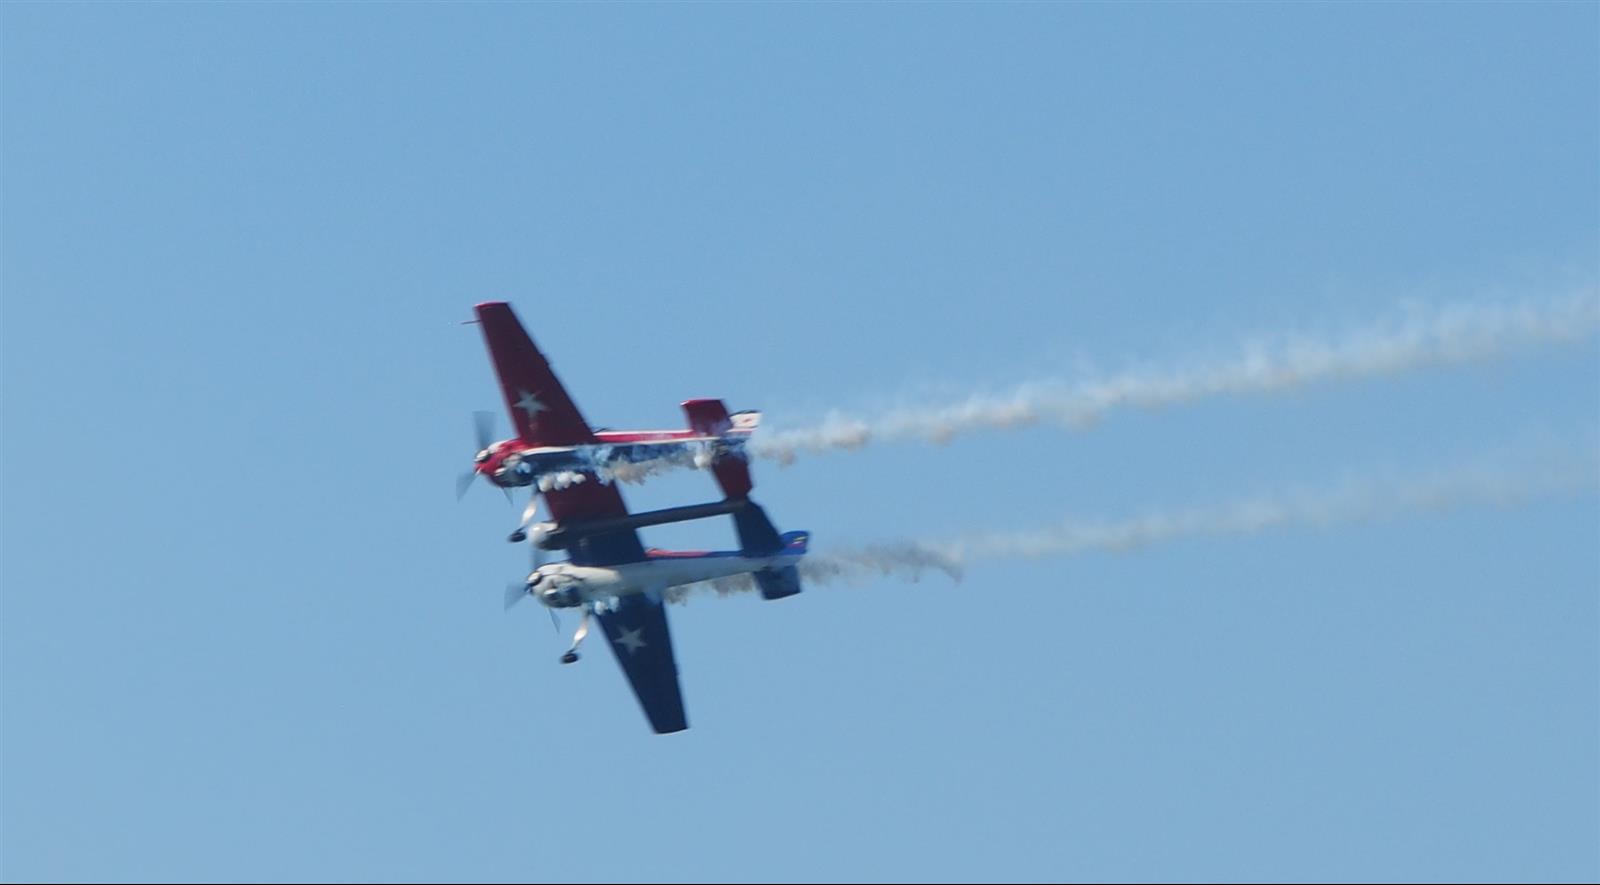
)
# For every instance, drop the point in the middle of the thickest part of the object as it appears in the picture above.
(537, 533)
(483, 435)
(515, 591)
(483, 424)
(528, 514)
(464, 482)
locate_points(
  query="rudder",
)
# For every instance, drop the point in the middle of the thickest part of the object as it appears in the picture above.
(709, 417)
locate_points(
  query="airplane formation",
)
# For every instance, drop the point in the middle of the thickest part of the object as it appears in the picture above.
(609, 576)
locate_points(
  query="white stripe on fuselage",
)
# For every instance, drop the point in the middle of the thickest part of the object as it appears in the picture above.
(589, 447)
(606, 582)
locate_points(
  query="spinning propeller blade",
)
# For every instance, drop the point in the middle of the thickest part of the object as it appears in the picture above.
(514, 593)
(482, 434)
(483, 427)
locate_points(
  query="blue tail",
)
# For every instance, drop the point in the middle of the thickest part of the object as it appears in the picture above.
(758, 537)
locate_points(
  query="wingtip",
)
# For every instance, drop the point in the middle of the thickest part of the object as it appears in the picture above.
(492, 313)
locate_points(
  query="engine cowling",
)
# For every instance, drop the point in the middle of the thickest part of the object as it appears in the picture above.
(562, 597)
(514, 471)
(555, 589)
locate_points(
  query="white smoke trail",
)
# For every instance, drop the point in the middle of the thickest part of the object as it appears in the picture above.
(1495, 483)
(1356, 500)
(637, 472)
(1452, 334)
(662, 458)
(560, 480)
(905, 560)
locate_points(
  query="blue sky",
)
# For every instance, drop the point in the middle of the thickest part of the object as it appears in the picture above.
(249, 634)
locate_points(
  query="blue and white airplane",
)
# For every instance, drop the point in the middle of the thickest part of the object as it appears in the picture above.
(609, 574)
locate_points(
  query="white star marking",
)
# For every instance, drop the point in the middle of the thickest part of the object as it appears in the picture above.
(530, 404)
(631, 641)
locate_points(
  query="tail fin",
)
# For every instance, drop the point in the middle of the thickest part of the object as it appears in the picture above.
(758, 537)
(709, 417)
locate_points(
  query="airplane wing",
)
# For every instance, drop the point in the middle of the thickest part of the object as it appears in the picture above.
(540, 408)
(544, 415)
(636, 629)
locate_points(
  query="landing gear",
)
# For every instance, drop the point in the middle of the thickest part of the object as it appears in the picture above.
(571, 656)
(518, 536)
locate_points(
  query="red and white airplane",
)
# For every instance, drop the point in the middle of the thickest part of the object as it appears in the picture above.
(609, 574)
(614, 454)
(553, 447)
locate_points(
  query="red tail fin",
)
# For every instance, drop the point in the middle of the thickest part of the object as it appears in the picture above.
(709, 417)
